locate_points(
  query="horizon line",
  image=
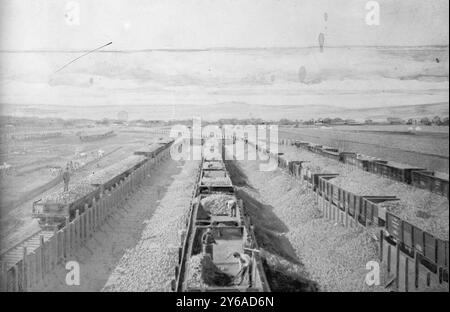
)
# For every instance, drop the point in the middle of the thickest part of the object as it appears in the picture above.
(224, 103)
(219, 48)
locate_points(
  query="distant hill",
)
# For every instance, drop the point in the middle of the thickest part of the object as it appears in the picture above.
(229, 110)
(274, 112)
(405, 111)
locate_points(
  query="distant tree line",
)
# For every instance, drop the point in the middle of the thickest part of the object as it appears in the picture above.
(436, 120)
(59, 122)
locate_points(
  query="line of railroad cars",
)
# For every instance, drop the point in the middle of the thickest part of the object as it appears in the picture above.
(53, 209)
(370, 210)
(233, 233)
(94, 137)
(429, 251)
(416, 176)
(432, 252)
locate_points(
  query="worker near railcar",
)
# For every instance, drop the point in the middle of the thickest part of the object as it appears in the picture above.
(208, 241)
(232, 207)
(248, 243)
(245, 268)
(66, 178)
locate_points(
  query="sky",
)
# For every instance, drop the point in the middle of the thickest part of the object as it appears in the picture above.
(199, 24)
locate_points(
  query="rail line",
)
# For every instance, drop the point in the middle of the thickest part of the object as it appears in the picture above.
(410, 244)
(27, 262)
(380, 146)
(211, 211)
(41, 190)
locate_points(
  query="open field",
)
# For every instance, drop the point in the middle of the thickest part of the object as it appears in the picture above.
(428, 148)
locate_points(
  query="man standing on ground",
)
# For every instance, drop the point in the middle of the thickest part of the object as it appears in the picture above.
(66, 178)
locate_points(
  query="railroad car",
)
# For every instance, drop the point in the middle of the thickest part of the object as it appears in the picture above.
(427, 250)
(197, 271)
(315, 148)
(347, 158)
(295, 167)
(215, 180)
(365, 208)
(301, 144)
(393, 170)
(94, 137)
(53, 209)
(329, 149)
(372, 211)
(154, 149)
(431, 181)
(52, 213)
(108, 177)
(411, 175)
(330, 154)
(431, 252)
(213, 165)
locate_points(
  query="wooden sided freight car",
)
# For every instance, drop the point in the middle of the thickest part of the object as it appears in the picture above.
(432, 181)
(393, 170)
(330, 152)
(153, 149)
(363, 209)
(53, 209)
(215, 270)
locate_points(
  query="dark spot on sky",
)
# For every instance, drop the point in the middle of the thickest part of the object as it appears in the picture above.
(321, 41)
(302, 74)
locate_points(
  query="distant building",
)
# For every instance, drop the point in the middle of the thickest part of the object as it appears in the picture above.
(122, 116)
(337, 123)
(394, 121)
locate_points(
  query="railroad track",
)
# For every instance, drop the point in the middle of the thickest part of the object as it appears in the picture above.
(233, 233)
(26, 263)
(15, 253)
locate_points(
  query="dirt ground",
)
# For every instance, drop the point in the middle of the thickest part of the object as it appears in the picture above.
(311, 253)
(32, 161)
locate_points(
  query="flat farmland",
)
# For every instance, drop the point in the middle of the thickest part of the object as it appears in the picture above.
(427, 148)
